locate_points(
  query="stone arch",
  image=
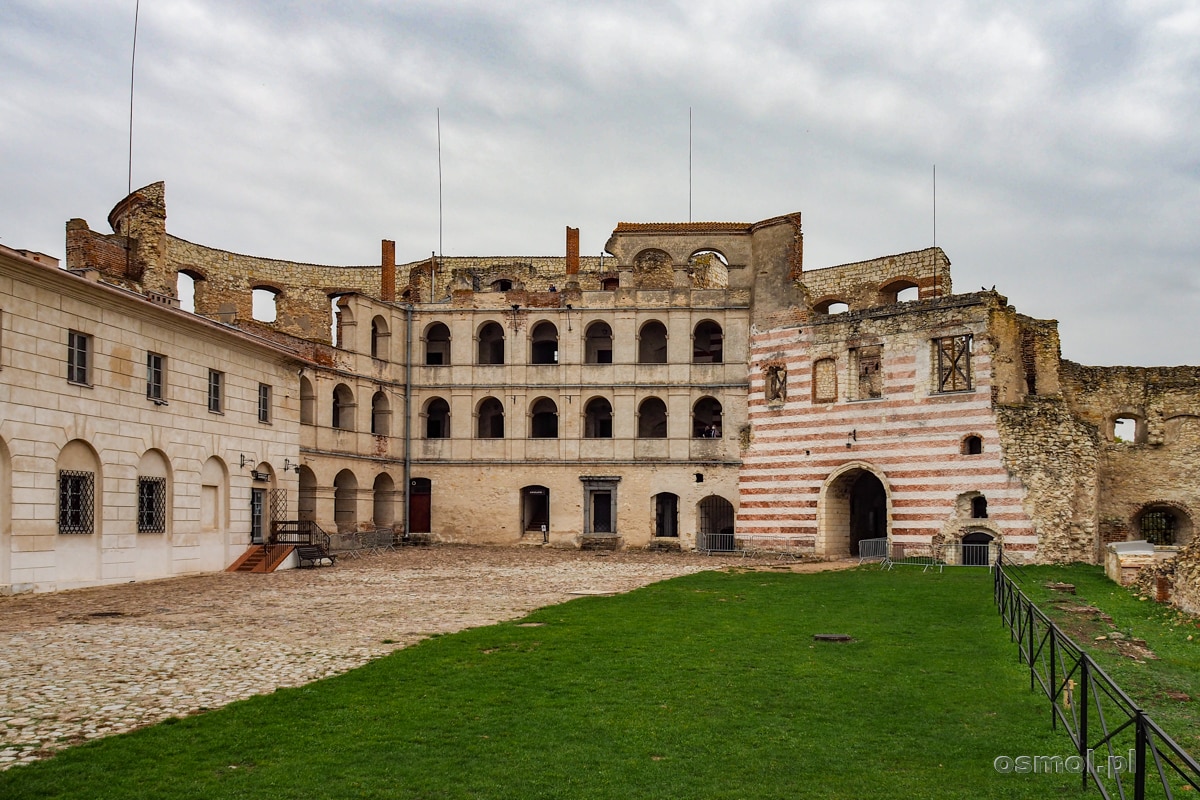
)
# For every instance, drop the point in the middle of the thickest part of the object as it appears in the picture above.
(381, 414)
(652, 419)
(437, 418)
(342, 416)
(437, 344)
(306, 496)
(715, 523)
(1163, 522)
(308, 402)
(597, 419)
(489, 418)
(490, 343)
(598, 343)
(653, 269)
(709, 268)
(155, 493)
(383, 506)
(854, 504)
(543, 419)
(1128, 426)
(543, 343)
(708, 343)
(342, 324)
(652, 342)
(706, 418)
(830, 305)
(345, 501)
(899, 290)
(971, 445)
(381, 337)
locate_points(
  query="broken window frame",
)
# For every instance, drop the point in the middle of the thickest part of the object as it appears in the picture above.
(954, 373)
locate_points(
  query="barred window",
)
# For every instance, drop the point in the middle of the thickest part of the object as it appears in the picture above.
(152, 505)
(953, 363)
(79, 348)
(216, 385)
(76, 499)
(1157, 526)
(156, 366)
(264, 402)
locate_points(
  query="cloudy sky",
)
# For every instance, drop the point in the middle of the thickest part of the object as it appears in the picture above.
(1065, 134)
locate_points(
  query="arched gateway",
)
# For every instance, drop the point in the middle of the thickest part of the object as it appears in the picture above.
(854, 505)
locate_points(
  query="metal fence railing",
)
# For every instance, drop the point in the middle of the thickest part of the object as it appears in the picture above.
(939, 556)
(872, 550)
(1118, 748)
(721, 542)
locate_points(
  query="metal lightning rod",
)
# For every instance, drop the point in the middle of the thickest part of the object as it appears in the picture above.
(132, 64)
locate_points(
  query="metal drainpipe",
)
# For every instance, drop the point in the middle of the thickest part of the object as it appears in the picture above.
(408, 313)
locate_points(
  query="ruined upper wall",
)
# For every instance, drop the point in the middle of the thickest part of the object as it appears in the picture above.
(866, 284)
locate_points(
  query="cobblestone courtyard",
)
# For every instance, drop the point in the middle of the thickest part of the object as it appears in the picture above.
(88, 663)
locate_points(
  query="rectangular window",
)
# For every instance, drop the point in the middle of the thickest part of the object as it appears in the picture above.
(152, 505)
(867, 377)
(216, 393)
(79, 351)
(953, 363)
(264, 402)
(76, 493)
(156, 375)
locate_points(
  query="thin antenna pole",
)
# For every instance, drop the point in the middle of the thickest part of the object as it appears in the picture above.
(439, 138)
(132, 64)
(689, 163)
(935, 205)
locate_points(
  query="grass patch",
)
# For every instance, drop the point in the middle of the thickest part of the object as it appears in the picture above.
(1156, 681)
(705, 686)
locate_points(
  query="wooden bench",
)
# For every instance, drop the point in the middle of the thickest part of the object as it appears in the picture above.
(314, 554)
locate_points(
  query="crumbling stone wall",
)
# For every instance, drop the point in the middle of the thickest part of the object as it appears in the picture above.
(860, 285)
(1176, 580)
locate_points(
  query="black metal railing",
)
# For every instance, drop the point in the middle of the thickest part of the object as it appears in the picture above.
(1119, 749)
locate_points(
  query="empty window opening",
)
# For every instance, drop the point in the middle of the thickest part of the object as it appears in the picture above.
(437, 419)
(831, 307)
(610, 284)
(598, 344)
(979, 507)
(900, 291)
(490, 419)
(264, 304)
(1029, 360)
(707, 344)
(652, 343)
(953, 363)
(381, 415)
(491, 344)
(597, 423)
(706, 419)
(652, 419)
(380, 338)
(308, 402)
(1125, 429)
(543, 422)
(343, 408)
(502, 285)
(543, 344)
(666, 514)
(972, 446)
(710, 270)
(868, 371)
(345, 501)
(775, 384)
(185, 290)
(437, 345)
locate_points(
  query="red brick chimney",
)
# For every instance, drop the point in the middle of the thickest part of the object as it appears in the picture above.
(572, 250)
(387, 275)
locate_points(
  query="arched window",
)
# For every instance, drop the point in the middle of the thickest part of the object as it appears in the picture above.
(1165, 526)
(154, 493)
(707, 343)
(80, 489)
(502, 285)
(381, 415)
(437, 419)
(186, 285)
(597, 419)
(1128, 428)
(598, 346)
(490, 418)
(652, 419)
(343, 324)
(972, 445)
(437, 345)
(343, 408)
(263, 303)
(652, 343)
(380, 338)
(308, 402)
(706, 419)
(543, 344)
(345, 501)
(899, 291)
(831, 307)
(491, 344)
(543, 422)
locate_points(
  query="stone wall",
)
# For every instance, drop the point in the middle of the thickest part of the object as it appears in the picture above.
(868, 284)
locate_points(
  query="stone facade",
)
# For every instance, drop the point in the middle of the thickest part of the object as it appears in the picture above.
(695, 386)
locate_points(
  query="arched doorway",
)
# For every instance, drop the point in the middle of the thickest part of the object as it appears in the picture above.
(853, 507)
(714, 525)
(345, 501)
(976, 549)
(383, 495)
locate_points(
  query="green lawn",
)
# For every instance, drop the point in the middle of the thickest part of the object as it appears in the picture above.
(1171, 636)
(708, 686)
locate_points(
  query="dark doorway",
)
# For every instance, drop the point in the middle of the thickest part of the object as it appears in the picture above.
(666, 514)
(535, 508)
(976, 549)
(868, 510)
(601, 512)
(257, 498)
(420, 505)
